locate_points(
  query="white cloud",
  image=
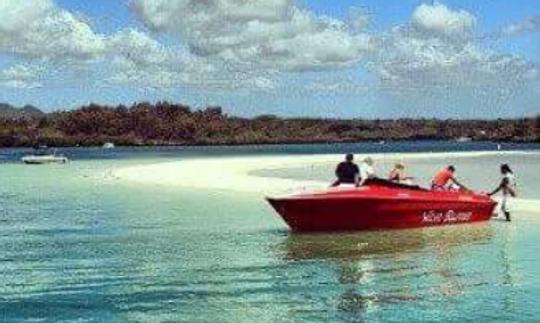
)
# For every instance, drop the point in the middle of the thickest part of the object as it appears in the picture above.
(21, 76)
(528, 25)
(359, 18)
(252, 44)
(47, 39)
(39, 29)
(267, 34)
(438, 18)
(39, 32)
(140, 60)
(181, 15)
(412, 58)
(16, 15)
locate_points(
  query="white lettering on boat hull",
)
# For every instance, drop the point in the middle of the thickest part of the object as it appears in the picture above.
(450, 216)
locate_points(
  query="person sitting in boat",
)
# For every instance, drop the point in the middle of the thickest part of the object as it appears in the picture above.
(347, 172)
(508, 188)
(366, 171)
(445, 180)
(397, 175)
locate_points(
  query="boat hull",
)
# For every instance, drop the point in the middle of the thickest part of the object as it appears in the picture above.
(375, 209)
(40, 160)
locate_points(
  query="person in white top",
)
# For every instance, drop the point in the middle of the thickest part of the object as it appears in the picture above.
(508, 187)
(366, 170)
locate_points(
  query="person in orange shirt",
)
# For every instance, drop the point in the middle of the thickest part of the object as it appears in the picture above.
(444, 180)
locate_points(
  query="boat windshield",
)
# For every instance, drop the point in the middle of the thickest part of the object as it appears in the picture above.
(390, 184)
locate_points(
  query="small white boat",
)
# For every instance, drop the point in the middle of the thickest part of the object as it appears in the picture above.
(44, 158)
(464, 139)
(108, 145)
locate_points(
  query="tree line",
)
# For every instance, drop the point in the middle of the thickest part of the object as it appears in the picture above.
(165, 123)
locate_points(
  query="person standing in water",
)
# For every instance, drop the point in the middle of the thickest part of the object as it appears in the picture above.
(347, 172)
(508, 188)
(444, 179)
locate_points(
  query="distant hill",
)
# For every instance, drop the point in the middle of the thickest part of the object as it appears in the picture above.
(7, 111)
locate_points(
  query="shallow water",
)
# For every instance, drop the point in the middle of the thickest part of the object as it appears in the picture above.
(80, 244)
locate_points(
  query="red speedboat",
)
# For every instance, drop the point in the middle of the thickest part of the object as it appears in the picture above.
(380, 205)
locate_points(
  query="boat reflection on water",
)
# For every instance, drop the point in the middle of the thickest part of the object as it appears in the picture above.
(351, 246)
(370, 270)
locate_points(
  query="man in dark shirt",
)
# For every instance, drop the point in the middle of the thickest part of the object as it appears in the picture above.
(347, 172)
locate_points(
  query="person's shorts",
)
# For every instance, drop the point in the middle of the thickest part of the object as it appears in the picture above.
(505, 203)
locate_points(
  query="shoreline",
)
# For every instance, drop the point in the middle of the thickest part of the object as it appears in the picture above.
(237, 173)
(380, 141)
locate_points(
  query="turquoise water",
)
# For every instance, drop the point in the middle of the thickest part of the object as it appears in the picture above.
(79, 244)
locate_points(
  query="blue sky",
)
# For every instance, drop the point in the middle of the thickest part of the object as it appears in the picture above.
(409, 58)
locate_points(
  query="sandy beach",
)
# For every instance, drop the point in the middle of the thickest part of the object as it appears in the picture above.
(237, 173)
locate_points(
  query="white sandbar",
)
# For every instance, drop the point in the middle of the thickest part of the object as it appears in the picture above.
(236, 173)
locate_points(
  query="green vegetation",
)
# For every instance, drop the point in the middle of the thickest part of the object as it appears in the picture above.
(174, 124)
